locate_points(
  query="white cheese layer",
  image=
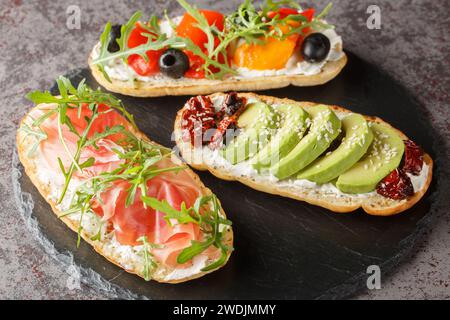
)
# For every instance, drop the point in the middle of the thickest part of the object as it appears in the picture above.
(213, 158)
(118, 70)
(418, 181)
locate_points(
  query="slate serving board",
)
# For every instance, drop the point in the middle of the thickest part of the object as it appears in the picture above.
(283, 248)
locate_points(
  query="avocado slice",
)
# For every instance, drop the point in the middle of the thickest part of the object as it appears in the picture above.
(324, 129)
(285, 139)
(358, 137)
(257, 121)
(383, 156)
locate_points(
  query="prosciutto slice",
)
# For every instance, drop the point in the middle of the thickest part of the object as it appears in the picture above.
(52, 148)
(129, 223)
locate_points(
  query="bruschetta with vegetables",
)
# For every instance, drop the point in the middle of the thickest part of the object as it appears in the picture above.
(130, 198)
(206, 51)
(324, 155)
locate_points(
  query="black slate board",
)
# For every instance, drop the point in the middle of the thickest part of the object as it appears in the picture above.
(283, 248)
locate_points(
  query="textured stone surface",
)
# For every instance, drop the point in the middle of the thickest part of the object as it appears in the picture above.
(413, 46)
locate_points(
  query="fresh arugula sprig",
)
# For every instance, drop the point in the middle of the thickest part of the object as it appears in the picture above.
(271, 5)
(149, 262)
(206, 214)
(38, 134)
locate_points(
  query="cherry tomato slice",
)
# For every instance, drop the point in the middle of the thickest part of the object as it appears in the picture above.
(136, 36)
(135, 61)
(195, 62)
(188, 29)
(142, 67)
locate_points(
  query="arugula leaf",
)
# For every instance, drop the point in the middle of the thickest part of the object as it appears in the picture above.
(195, 249)
(149, 263)
(105, 38)
(324, 12)
(37, 133)
(106, 133)
(182, 216)
(126, 30)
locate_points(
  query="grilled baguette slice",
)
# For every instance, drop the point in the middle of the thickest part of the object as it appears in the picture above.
(373, 203)
(186, 86)
(107, 247)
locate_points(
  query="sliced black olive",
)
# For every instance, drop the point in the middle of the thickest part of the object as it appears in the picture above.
(315, 47)
(113, 46)
(173, 63)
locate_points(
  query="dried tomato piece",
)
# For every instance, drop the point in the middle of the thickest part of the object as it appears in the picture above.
(413, 158)
(396, 185)
(197, 119)
(227, 123)
(231, 104)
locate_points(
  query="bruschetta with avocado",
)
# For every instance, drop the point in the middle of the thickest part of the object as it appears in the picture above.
(321, 154)
(205, 51)
(130, 198)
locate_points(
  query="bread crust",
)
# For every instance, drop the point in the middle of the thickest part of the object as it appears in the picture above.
(31, 169)
(206, 86)
(370, 205)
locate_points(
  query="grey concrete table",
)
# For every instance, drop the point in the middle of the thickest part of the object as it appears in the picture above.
(413, 45)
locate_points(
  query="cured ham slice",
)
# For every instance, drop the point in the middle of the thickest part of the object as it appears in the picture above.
(132, 222)
(105, 158)
(136, 220)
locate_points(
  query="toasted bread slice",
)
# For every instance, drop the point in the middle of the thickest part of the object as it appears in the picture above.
(371, 203)
(123, 256)
(186, 86)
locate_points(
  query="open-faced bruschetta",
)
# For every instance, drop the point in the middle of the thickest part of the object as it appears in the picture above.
(324, 155)
(130, 198)
(205, 51)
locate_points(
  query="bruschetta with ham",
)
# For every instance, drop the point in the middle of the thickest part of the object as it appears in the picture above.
(130, 198)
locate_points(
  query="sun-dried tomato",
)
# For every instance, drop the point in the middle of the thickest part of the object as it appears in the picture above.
(413, 158)
(197, 119)
(231, 104)
(396, 185)
(221, 134)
